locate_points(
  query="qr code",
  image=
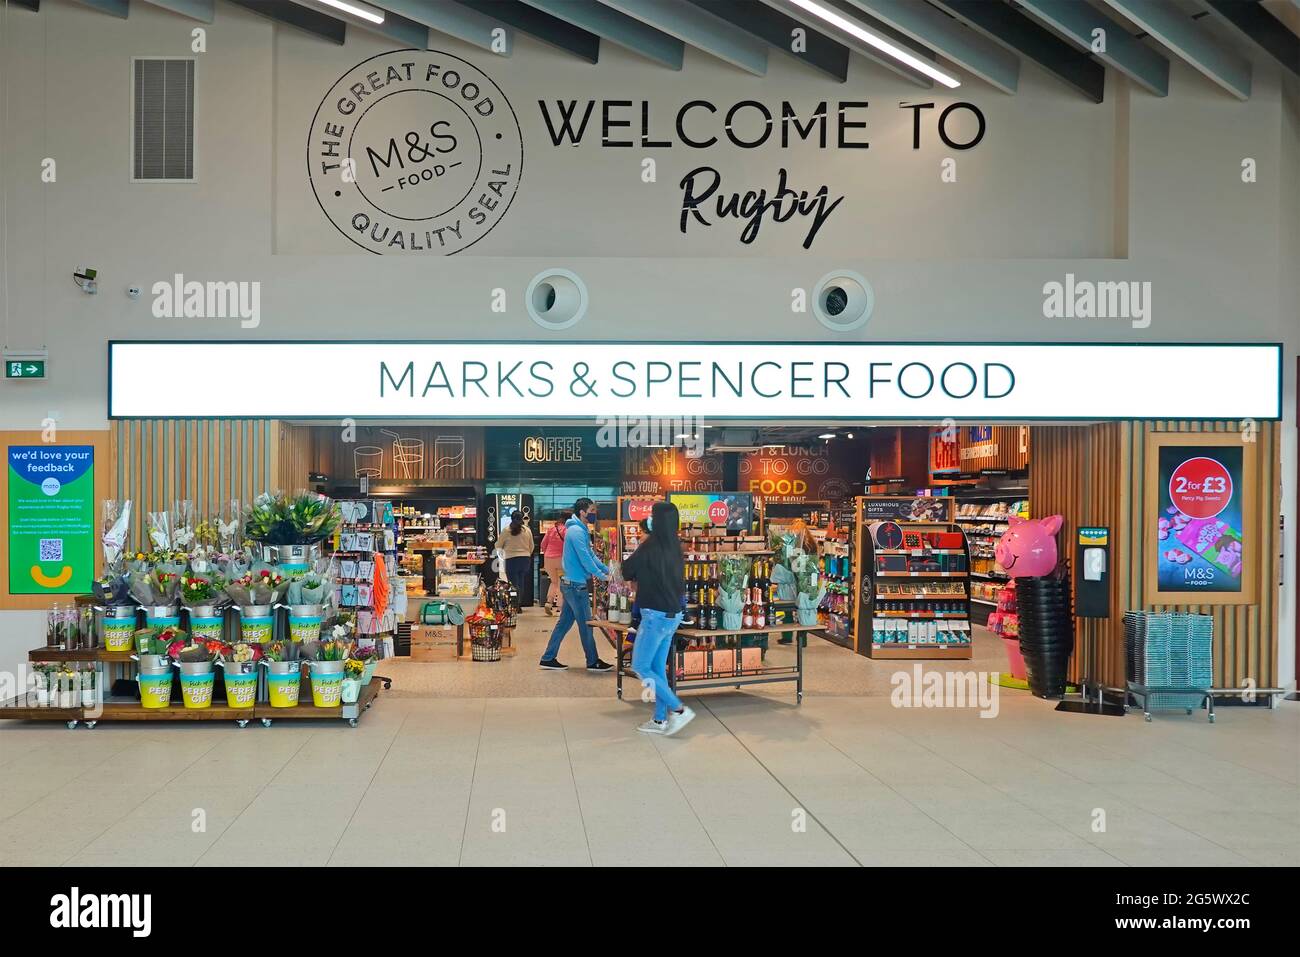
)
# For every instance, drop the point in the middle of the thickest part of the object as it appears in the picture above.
(51, 549)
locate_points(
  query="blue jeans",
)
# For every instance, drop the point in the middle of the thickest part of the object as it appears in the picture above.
(654, 639)
(577, 607)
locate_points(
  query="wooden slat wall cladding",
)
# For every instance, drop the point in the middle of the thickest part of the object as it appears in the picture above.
(1095, 475)
(301, 452)
(1006, 452)
(208, 461)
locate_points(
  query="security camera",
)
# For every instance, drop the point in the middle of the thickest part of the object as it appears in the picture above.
(85, 278)
(133, 292)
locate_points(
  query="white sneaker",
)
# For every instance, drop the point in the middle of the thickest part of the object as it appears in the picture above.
(678, 721)
(654, 727)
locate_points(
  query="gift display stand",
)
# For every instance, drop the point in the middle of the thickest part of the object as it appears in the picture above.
(913, 565)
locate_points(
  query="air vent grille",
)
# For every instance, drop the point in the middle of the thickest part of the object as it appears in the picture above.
(162, 116)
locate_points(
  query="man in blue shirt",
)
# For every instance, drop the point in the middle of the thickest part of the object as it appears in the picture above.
(580, 564)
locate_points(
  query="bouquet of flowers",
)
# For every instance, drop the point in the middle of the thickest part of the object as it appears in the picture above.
(201, 590)
(316, 587)
(732, 573)
(182, 525)
(189, 651)
(354, 668)
(159, 641)
(343, 628)
(324, 650)
(241, 657)
(300, 519)
(159, 585)
(113, 588)
(228, 526)
(264, 586)
(809, 589)
(282, 651)
(160, 531)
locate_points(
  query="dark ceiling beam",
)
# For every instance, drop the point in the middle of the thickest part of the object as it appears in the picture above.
(860, 47)
(32, 5)
(299, 17)
(948, 38)
(701, 30)
(201, 10)
(1263, 29)
(456, 21)
(1122, 51)
(540, 25)
(608, 24)
(1004, 25)
(1180, 34)
(114, 8)
(775, 28)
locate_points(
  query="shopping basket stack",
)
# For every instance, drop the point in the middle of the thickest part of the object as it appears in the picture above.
(1169, 660)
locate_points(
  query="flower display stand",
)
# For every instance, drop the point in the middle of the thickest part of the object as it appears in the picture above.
(112, 665)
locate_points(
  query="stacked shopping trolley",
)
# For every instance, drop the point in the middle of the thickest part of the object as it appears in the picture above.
(1169, 660)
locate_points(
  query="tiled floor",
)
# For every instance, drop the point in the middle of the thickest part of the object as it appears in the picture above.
(755, 780)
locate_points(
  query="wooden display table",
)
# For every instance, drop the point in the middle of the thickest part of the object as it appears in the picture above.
(616, 634)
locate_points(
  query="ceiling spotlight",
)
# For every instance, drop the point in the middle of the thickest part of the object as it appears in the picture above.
(849, 435)
(881, 44)
(357, 9)
(826, 435)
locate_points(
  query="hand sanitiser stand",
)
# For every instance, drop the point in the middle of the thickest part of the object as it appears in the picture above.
(1092, 601)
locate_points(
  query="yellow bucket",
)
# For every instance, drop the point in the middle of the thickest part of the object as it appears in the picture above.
(156, 690)
(196, 690)
(119, 634)
(241, 690)
(327, 689)
(283, 689)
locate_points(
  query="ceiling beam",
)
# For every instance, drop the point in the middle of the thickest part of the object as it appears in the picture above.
(32, 5)
(775, 28)
(1124, 52)
(114, 8)
(300, 17)
(456, 21)
(860, 47)
(701, 30)
(405, 32)
(201, 10)
(949, 38)
(608, 24)
(1263, 29)
(540, 25)
(1177, 32)
(1002, 24)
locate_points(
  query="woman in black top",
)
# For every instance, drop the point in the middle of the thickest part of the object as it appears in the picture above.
(659, 571)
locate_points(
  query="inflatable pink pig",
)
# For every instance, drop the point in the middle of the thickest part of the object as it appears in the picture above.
(1027, 549)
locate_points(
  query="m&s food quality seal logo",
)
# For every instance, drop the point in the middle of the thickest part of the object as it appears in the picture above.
(415, 152)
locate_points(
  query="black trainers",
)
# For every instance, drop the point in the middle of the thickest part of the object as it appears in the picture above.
(552, 665)
(600, 666)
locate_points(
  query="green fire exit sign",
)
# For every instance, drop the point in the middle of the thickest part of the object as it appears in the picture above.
(24, 368)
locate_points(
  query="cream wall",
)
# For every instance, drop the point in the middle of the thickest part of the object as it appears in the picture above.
(1137, 188)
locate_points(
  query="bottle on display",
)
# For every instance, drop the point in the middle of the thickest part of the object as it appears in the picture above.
(760, 609)
(712, 624)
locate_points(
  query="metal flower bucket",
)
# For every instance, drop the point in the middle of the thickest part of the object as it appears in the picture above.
(162, 616)
(117, 625)
(206, 622)
(291, 558)
(326, 683)
(196, 684)
(305, 622)
(283, 681)
(256, 623)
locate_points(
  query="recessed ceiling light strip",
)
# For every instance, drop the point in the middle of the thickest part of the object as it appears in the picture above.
(884, 46)
(362, 10)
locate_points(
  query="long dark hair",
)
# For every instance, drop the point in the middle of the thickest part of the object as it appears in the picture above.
(663, 543)
(516, 522)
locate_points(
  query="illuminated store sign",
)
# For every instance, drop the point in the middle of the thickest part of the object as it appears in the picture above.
(770, 380)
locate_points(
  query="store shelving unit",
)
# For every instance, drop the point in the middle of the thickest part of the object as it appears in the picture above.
(984, 516)
(380, 524)
(913, 579)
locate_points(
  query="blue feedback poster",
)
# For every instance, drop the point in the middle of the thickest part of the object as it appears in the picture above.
(51, 519)
(1199, 525)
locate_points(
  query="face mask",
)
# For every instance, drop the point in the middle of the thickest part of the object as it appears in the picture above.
(592, 516)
